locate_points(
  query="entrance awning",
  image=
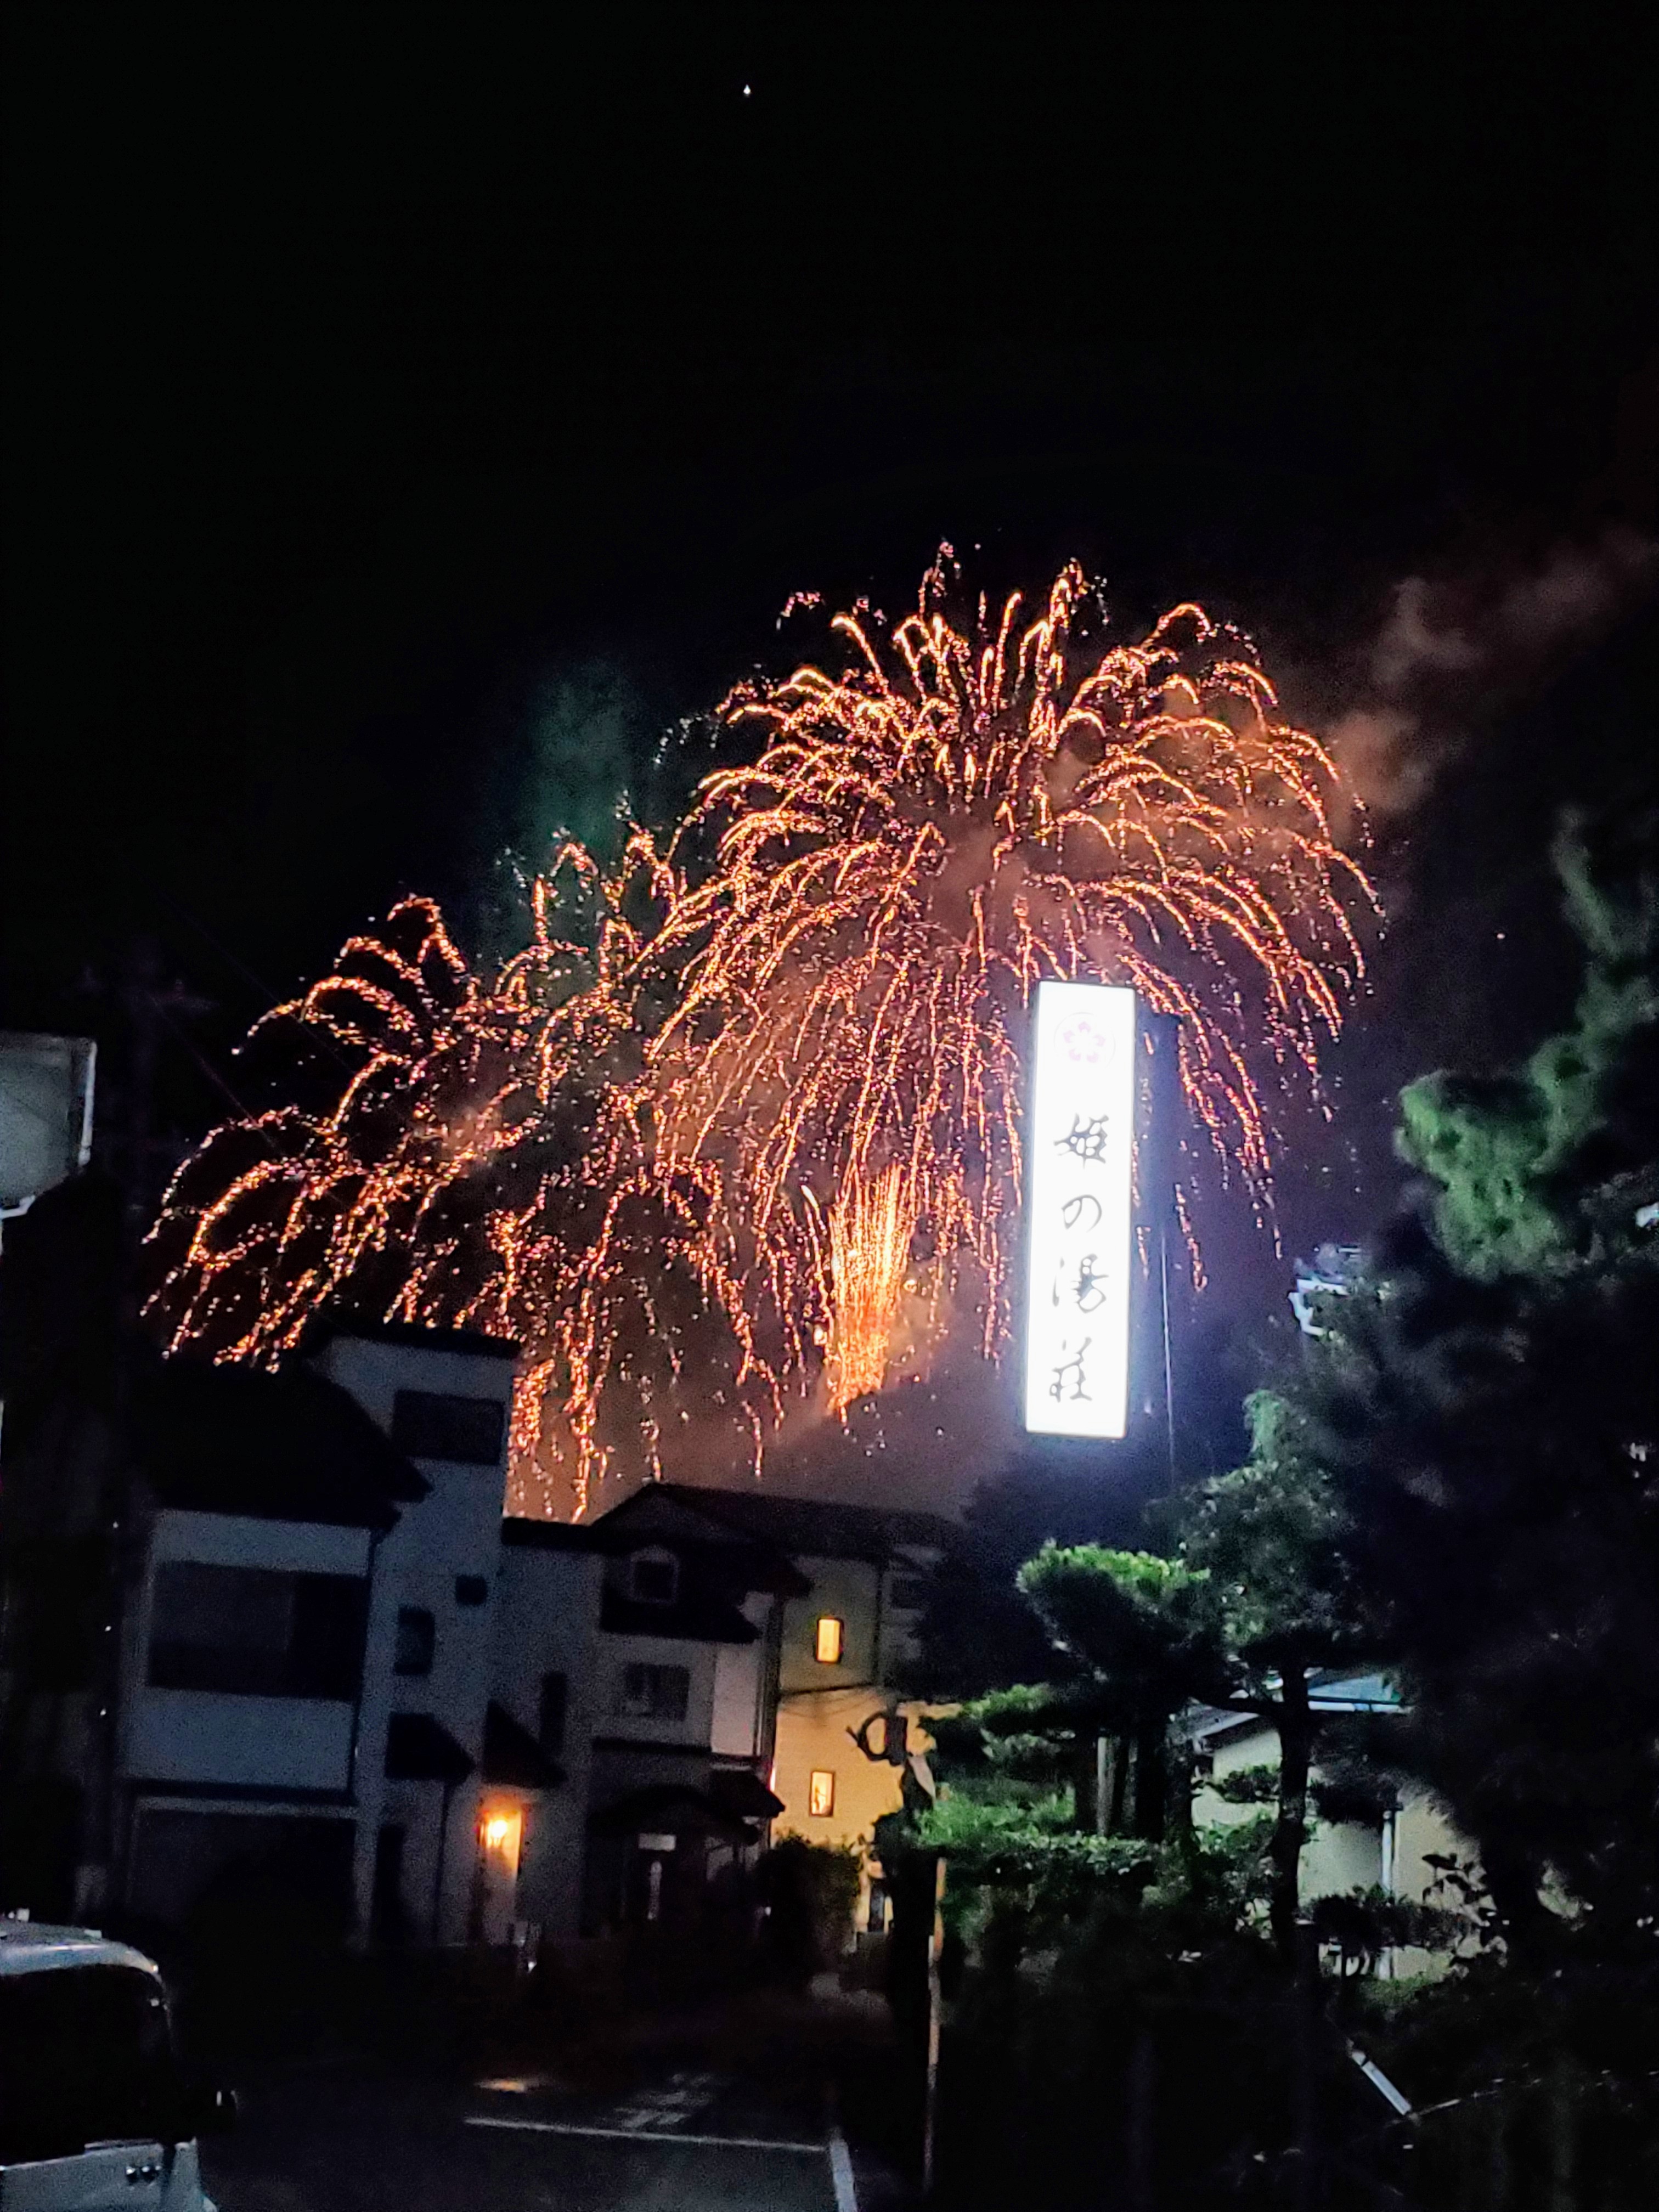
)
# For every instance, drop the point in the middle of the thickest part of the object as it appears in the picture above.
(512, 1756)
(674, 1808)
(740, 1790)
(418, 1749)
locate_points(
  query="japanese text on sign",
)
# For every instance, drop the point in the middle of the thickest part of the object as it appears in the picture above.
(1079, 1127)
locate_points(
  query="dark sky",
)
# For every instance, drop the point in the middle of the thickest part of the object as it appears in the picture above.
(368, 371)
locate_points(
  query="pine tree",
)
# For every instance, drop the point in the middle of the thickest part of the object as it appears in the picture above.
(1255, 1598)
(1490, 1413)
(1145, 1635)
(1274, 1539)
(1524, 1162)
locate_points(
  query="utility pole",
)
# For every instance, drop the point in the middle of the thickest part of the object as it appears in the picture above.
(935, 2008)
(145, 1004)
(1161, 1153)
(1304, 2069)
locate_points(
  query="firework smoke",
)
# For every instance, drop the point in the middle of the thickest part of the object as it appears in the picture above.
(1449, 650)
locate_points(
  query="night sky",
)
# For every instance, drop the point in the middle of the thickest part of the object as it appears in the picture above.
(375, 378)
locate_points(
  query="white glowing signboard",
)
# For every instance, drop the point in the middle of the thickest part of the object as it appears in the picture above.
(1079, 1134)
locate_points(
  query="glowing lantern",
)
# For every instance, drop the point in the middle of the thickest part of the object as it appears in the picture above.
(500, 1831)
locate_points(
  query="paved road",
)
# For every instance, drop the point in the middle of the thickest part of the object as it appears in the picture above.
(350, 2139)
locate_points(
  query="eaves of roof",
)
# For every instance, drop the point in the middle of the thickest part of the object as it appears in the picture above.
(290, 1446)
(697, 1618)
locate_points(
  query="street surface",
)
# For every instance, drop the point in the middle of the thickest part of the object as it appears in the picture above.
(350, 2137)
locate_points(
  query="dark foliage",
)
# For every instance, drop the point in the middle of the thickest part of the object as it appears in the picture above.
(1490, 1413)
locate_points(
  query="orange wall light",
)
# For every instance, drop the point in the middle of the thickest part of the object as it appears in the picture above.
(501, 1831)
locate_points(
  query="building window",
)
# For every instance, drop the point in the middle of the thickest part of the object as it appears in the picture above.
(655, 1693)
(821, 1793)
(471, 1590)
(654, 1577)
(433, 1425)
(550, 1730)
(257, 1632)
(417, 1639)
(909, 1593)
(827, 1645)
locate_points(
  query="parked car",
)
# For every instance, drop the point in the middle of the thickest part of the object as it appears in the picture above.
(96, 2112)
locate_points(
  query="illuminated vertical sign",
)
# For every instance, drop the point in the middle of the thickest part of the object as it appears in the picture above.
(1079, 1135)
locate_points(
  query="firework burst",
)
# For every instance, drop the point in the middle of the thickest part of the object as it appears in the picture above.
(692, 1144)
(481, 1159)
(925, 836)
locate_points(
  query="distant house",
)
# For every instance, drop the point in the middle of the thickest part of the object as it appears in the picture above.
(739, 1642)
(843, 1733)
(264, 1502)
(306, 1676)
(340, 1670)
(663, 1622)
(306, 1583)
(1388, 1849)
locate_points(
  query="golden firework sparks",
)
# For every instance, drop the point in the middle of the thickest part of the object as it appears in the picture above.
(926, 835)
(623, 1147)
(482, 1160)
(871, 1228)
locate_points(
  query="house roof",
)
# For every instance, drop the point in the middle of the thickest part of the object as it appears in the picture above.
(1331, 1690)
(512, 1755)
(414, 1333)
(1336, 1692)
(290, 1446)
(668, 1514)
(799, 1527)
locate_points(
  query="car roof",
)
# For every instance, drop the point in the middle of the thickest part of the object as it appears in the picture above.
(29, 1946)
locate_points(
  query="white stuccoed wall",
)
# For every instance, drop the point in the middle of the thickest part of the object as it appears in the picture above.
(546, 1619)
(456, 1531)
(190, 1736)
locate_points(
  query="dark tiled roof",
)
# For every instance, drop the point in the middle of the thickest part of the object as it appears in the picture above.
(697, 1616)
(512, 1755)
(414, 1333)
(286, 1447)
(805, 1527)
(668, 1514)
(418, 1749)
(674, 1808)
(740, 1790)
